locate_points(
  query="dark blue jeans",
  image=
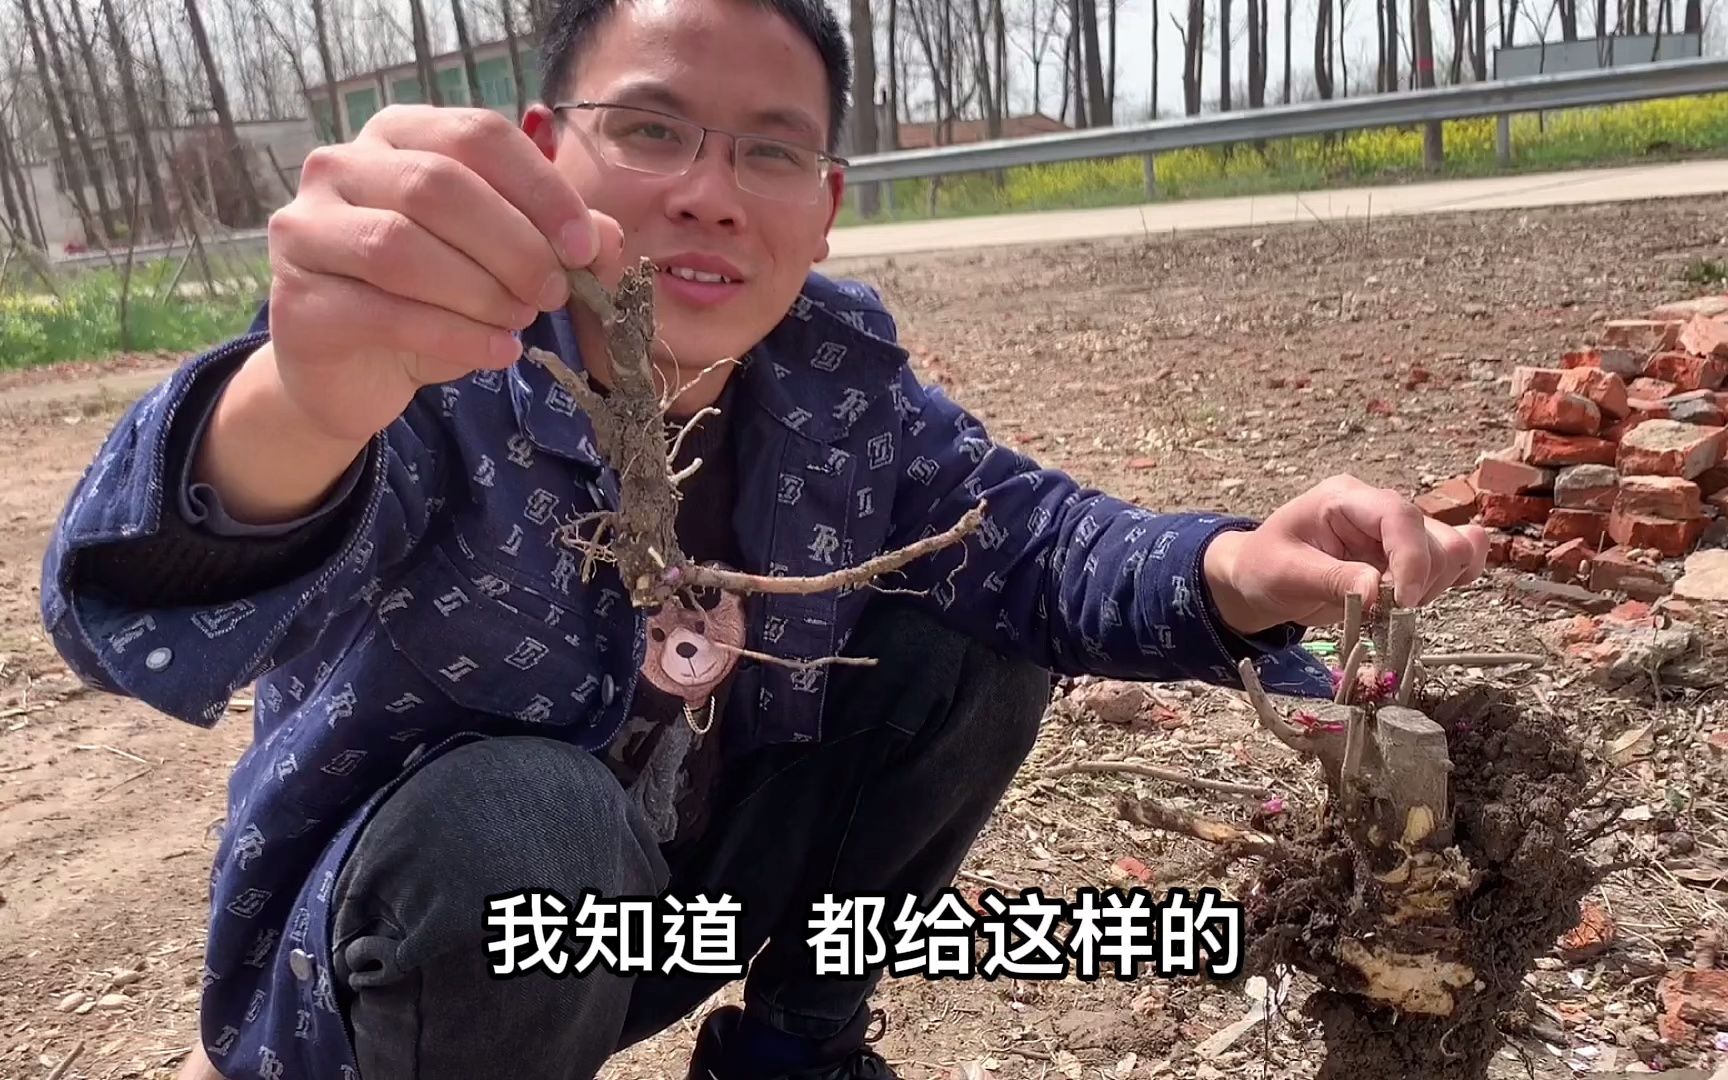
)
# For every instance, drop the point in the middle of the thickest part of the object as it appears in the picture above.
(916, 753)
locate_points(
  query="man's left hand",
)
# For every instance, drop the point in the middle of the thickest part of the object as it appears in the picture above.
(1337, 538)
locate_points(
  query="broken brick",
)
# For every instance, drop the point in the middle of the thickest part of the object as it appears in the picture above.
(1499, 548)
(1641, 411)
(1586, 487)
(1702, 411)
(1570, 562)
(1691, 996)
(1645, 335)
(1452, 503)
(1634, 613)
(1650, 391)
(1528, 555)
(1548, 448)
(1685, 371)
(1682, 310)
(1506, 475)
(1659, 496)
(1563, 526)
(1504, 511)
(1607, 391)
(1593, 935)
(1526, 379)
(1568, 414)
(1670, 538)
(1614, 571)
(1670, 448)
(1705, 337)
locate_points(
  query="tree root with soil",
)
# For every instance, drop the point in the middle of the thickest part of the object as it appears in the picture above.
(630, 422)
(1446, 859)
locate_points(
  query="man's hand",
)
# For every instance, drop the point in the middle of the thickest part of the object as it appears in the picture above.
(1337, 538)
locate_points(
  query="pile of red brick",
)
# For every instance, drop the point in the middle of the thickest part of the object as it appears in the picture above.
(1620, 458)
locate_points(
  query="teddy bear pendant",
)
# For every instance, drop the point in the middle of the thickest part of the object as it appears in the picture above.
(691, 651)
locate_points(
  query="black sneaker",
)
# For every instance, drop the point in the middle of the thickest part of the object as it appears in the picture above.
(710, 1061)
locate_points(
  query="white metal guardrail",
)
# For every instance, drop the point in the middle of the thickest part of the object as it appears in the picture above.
(1535, 94)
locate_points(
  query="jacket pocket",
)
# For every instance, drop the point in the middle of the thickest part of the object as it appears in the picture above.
(486, 653)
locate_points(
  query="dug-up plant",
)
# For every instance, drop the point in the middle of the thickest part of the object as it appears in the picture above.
(1445, 859)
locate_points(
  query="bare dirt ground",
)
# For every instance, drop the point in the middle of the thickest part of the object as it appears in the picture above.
(1224, 371)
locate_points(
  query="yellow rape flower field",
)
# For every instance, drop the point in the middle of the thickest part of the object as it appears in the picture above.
(1661, 129)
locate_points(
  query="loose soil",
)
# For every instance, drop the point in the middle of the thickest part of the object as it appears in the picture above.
(1204, 371)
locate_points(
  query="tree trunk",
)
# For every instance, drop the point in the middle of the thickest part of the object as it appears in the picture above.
(1097, 105)
(1110, 83)
(980, 63)
(1323, 49)
(57, 121)
(136, 123)
(423, 54)
(1288, 7)
(1481, 54)
(1004, 108)
(864, 93)
(1223, 55)
(518, 77)
(476, 98)
(17, 215)
(1380, 46)
(1194, 57)
(1568, 20)
(1339, 53)
(1460, 40)
(1433, 135)
(1067, 74)
(1694, 23)
(254, 207)
(1154, 59)
(1392, 79)
(894, 74)
(333, 97)
(1253, 52)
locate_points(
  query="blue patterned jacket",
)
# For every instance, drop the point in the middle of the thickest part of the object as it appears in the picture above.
(449, 611)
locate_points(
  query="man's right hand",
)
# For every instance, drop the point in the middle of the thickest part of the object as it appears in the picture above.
(406, 259)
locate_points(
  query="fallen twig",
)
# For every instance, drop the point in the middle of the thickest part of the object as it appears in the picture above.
(110, 789)
(112, 750)
(1465, 659)
(1171, 776)
(66, 1062)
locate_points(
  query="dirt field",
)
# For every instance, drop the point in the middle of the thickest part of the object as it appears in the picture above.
(1204, 371)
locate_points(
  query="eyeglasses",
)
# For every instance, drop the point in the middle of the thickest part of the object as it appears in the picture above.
(651, 141)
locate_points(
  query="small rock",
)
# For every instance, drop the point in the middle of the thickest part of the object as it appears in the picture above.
(1705, 577)
(1111, 701)
(84, 1008)
(113, 1001)
(1088, 1030)
(1231, 485)
(72, 1001)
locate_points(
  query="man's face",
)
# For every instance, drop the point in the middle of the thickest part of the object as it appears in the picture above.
(727, 64)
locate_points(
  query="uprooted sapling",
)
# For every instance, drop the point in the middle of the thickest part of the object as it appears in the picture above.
(629, 419)
(1441, 866)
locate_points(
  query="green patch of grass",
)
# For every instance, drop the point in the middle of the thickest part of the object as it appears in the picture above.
(80, 318)
(1667, 128)
(1708, 273)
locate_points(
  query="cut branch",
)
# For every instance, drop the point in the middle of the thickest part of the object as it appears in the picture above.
(797, 665)
(1234, 838)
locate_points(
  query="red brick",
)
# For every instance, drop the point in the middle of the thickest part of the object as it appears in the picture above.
(1647, 335)
(1698, 410)
(1567, 414)
(1705, 337)
(1712, 480)
(1567, 525)
(1499, 548)
(1526, 379)
(1616, 431)
(1509, 476)
(1586, 487)
(1547, 448)
(1612, 571)
(1607, 390)
(1503, 511)
(1690, 997)
(1649, 389)
(1570, 562)
(1685, 371)
(1669, 448)
(1528, 555)
(1670, 538)
(1452, 503)
(1659, 496)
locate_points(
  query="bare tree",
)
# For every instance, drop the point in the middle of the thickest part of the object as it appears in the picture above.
(94, 174)
(466, 44)
(864, 93)
(893, 138)
(57, 121)
(133, 101)
(1694, 22)
(517, 75)
(1433, 146)
(1391, 82)
(1154, 94)
(1481, 39)
(1288, 6)
(1193, 55)
(327, 63)
(252, 205)
(423, 54)
(1097, 103)
(100, 95)
(1568, 10)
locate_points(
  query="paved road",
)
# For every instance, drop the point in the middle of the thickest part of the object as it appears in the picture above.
(1493, 193)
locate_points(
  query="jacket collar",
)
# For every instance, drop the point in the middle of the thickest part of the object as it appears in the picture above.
(816, 372)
